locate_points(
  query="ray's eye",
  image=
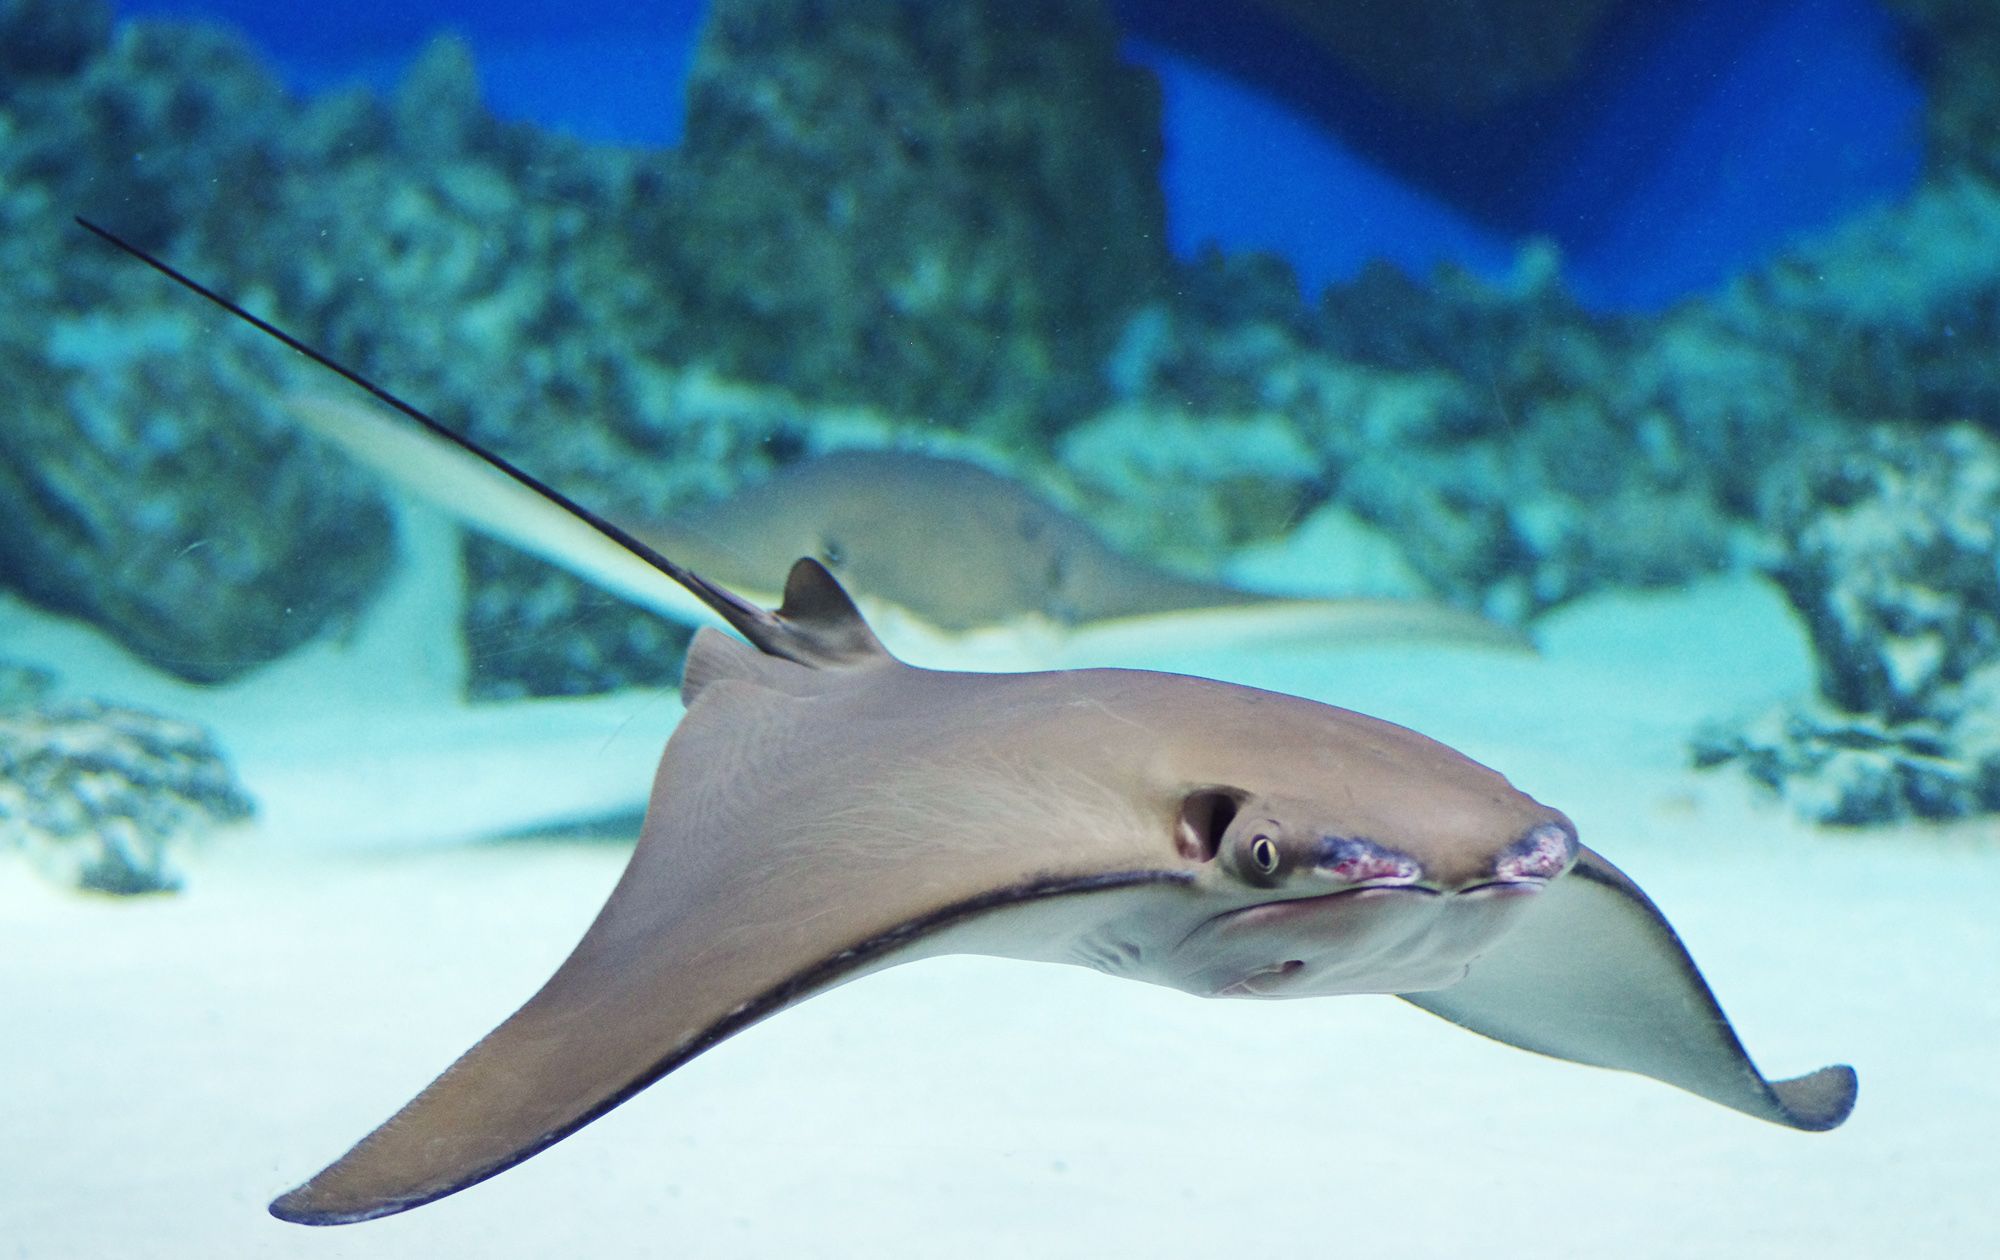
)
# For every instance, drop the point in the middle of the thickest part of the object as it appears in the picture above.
(831, 553)
(1264, 854)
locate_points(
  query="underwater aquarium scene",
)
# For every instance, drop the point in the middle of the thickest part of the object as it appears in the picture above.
(693, 627)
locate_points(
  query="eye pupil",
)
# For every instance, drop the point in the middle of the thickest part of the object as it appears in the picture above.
(1264, 854)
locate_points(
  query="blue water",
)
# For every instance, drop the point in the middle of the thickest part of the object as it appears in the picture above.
(1700, 141)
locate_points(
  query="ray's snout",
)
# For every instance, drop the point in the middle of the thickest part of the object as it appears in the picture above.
(1546, 851)
(1543, 852)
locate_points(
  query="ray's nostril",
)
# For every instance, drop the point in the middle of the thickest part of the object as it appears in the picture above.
(1544, 853)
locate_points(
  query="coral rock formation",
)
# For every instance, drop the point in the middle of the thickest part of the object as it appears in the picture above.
(149, 485)
(1956, 46)
(942, 209)
(103, 797)
(1892, 559)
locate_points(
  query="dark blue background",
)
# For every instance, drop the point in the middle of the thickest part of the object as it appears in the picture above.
(1702, 136)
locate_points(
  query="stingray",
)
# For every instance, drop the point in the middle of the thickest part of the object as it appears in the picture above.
(949, 560)
(825, 810)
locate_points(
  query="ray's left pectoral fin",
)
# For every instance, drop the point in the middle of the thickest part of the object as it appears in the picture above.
(603, 1029)
(738, 902)
(1597, 975)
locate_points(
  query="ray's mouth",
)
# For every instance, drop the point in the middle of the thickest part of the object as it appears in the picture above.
(1385, 887)
(1285, 908)
(1503, 888)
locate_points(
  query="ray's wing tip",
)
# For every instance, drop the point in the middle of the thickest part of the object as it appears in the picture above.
(296, 1207)
(1820, 1100)
(302, 1206)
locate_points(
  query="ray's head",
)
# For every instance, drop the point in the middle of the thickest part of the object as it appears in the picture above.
(1342, 854)
(1280, 844)
(1285, 794)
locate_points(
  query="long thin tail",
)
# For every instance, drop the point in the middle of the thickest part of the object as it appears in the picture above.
(773, 632)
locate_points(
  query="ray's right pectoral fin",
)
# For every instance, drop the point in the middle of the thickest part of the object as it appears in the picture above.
(1597, 976)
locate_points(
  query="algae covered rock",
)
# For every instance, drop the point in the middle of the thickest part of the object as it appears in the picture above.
(1853, 769)
(1521, 450)
(103, 797)
(506, 285)
(1955, 47)
(1894, 314)
(1567, 451)
(149, 484)
(1192, 486)
(48, 38)
(1232, 420)
(942, 209)
(161, 492)
(156, 491)
(533, 630)
(22, 685)
(1891, 556)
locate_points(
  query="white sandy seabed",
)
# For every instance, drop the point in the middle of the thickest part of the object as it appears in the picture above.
(169, 1064)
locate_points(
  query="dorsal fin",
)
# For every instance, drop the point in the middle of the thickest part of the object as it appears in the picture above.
(816, 627)
(817, 624)
(822, 624)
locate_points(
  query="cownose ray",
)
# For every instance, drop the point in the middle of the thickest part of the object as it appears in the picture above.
(949, 561)
(825, 810)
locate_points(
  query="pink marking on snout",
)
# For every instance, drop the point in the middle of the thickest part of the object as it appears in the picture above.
(1543, 853)
(1363, 863)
